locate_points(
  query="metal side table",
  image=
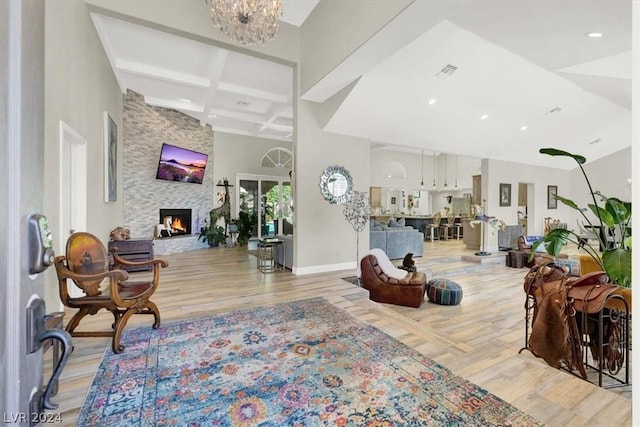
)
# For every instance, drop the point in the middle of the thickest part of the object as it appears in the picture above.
(267, 254)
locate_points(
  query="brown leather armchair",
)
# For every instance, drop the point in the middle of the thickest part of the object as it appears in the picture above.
(524, 245)
(408, 291)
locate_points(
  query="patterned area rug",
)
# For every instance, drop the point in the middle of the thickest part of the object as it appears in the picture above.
(295, 364)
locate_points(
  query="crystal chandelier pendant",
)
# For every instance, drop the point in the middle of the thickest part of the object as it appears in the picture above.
(246, 22)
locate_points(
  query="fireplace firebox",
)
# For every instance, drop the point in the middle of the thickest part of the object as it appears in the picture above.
(177, 221)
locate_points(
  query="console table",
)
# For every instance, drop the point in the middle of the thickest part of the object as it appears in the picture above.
(133, 250)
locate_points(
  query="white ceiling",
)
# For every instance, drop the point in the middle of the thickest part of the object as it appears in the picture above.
(520, 62)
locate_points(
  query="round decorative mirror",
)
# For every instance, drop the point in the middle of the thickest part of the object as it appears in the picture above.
(336, 184)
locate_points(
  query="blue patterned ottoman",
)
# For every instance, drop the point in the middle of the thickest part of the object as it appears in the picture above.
(444, 291)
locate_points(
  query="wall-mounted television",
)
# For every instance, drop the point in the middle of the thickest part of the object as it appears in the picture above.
(180, 164)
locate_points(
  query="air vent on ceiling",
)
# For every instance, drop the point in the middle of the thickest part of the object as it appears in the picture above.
(243, 104)
(447, 71)
(595, 141)
(554, 110)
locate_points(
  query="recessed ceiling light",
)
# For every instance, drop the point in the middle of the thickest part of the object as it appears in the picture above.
(432, 101)
(523, 127)
(388, 176)
(594, 35)
(212, 116)
(184, 100)
(484, 117)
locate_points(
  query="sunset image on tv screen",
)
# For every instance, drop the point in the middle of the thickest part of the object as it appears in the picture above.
(180, 164)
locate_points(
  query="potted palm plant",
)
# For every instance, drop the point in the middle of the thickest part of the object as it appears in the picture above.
(612, 213)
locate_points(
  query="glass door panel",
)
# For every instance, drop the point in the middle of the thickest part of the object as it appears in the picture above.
(286, 213)
(269, 203)
(270, 200)
(248, 195)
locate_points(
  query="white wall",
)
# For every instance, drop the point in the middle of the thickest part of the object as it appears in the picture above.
(79, 87)
(609, 175)
(324, 240)
(496, 172)
(335, 29)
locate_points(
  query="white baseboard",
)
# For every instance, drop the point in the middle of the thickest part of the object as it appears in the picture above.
(298, 271)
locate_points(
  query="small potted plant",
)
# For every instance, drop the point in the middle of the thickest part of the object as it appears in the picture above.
(212, 233)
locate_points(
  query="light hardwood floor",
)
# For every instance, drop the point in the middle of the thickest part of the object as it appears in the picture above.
(478, 339)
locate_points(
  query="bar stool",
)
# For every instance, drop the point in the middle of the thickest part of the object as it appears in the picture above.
(430, 229)
(458, 229)
(447, 227)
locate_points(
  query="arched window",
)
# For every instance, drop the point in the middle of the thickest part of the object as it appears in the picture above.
(277, 158)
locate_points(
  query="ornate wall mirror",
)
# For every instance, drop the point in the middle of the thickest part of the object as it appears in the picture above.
(336, 184)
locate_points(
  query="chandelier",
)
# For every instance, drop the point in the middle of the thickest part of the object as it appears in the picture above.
(247, 22)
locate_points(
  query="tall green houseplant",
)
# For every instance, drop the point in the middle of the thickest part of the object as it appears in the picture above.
(612, 213)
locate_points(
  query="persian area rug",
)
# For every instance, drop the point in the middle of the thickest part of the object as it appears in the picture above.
(304, 363)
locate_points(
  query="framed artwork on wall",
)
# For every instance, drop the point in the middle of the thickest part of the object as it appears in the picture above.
(416, 194)
(505, 194)
(110, 159)
(552, 202)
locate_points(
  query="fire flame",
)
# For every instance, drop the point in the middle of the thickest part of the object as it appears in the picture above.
(177, 225)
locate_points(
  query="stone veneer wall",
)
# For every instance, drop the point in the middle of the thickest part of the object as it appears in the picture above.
(145, 129)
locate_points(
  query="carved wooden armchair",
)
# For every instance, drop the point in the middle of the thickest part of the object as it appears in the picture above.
(86, 264)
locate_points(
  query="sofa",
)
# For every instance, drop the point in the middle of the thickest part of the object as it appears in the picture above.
(284, 252)
(396, 240)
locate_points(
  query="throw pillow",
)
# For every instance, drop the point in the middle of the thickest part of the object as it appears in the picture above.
(400, 222)
(394, 224)
(386, 266)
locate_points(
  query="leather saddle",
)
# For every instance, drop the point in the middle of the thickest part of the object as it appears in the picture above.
(555, 335)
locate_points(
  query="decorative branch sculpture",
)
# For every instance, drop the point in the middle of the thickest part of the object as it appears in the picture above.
(356, 211)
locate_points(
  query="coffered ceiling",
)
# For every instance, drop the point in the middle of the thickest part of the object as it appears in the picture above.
(232, 92)
(528, 66)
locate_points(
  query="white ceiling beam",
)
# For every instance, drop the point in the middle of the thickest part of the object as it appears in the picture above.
(237, 115)
(275, 112)
(216, 67)
(255, 93)
(176, 105)
(160, 73)
(247, 133)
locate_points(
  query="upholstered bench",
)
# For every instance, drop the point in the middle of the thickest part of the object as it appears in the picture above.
(444, 291)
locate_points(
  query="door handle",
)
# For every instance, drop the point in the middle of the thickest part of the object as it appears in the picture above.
(65, 341)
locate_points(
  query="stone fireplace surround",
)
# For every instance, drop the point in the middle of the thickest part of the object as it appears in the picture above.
(145, 128)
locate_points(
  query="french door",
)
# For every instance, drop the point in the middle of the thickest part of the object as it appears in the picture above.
(268, 199)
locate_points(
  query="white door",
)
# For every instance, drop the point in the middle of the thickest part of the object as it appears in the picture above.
(73, 188)
(73, 183)
(21, 194)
